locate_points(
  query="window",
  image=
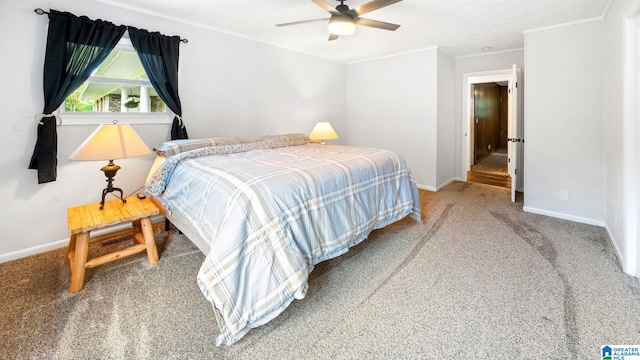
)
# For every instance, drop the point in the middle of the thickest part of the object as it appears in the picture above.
(118, 85)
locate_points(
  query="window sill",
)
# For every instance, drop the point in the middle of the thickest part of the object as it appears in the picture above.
(103, 118)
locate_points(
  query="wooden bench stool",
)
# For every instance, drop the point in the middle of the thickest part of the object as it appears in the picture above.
(83, 219)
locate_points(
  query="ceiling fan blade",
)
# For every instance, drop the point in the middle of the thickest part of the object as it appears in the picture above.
(333, 37)
(323, 4)
(377, 24)
(370, 6)
(302, 22)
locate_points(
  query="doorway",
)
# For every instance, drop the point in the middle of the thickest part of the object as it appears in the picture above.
(490, 121)
(514, 139)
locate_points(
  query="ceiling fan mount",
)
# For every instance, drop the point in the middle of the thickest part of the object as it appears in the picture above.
(342, 8)
(344, 20)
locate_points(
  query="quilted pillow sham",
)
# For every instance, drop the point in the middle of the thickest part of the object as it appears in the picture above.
(174, 147)
(289, 139)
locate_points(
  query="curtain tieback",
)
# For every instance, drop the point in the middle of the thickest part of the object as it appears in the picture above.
(39, 117)
(180, 121)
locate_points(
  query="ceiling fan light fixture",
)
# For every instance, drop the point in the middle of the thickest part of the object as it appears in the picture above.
(342, 25)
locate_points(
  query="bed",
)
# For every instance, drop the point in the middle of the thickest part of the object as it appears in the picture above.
(265, 212)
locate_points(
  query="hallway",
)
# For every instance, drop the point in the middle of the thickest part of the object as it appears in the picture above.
(492, 170)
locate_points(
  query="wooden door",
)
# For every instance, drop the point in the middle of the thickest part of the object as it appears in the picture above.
(487, 120)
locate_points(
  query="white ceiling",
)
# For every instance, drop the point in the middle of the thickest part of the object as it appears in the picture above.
(458, 27)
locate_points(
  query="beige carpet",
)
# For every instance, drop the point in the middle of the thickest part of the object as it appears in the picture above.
(479, 279)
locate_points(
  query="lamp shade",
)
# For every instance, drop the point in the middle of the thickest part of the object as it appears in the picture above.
(323, 131)
(342, 25)
(110, 142)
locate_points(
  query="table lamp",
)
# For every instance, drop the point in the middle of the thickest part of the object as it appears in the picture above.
(109, 142)
(323, 131)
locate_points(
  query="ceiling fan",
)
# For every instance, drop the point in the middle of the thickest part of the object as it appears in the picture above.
(343, 20)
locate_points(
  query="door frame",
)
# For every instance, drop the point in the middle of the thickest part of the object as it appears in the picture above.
(470, 79)
(631, 146)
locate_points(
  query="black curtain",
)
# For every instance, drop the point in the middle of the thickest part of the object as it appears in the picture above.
(159, 57)
(75, 47)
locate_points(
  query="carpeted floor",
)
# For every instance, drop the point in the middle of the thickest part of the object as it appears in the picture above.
(479, 279)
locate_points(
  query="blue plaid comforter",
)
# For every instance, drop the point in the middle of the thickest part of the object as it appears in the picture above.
(271, 214)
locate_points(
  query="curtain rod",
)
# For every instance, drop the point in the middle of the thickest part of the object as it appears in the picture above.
(39, 11)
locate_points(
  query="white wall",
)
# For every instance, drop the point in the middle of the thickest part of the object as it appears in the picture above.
(228, 86)
(237, 87)
(616, 219)
(564, 122)
(393, 105)
(446, 120)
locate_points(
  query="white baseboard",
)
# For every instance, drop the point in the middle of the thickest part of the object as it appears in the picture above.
(615, 246)
(439, 187)
(33, 250)
(428, 188)
(564, 216)
(64, 242)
